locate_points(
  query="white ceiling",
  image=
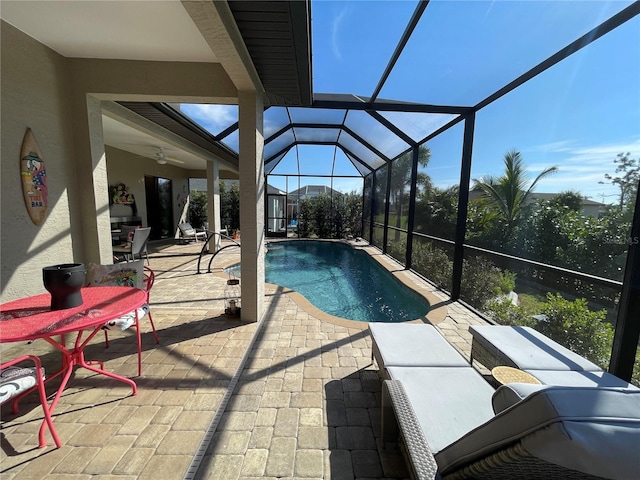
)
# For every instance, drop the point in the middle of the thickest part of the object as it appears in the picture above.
(136, 141)
(115, 29)
(130, 30)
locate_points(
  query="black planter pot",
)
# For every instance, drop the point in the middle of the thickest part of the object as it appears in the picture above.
(64, 282)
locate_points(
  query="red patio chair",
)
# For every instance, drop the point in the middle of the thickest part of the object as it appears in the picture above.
(134, 321)
(15, 382)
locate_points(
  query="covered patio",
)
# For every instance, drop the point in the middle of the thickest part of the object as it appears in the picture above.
(293, 396)
(284, 392)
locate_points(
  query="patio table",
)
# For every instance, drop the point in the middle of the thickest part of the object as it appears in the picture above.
(31, 318)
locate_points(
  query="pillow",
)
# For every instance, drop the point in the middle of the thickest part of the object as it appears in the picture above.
(15, 380)
(126, 320)
(186, 229)
(130, 274)
(508, 395)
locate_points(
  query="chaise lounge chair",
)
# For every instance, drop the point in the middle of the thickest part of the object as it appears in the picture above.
(187, 232)
(552, 433)
(452, 424)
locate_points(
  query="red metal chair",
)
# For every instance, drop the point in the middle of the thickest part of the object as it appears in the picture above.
(149, 278)
(17, 382)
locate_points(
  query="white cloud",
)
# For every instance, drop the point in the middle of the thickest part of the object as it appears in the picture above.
(560, 146)
(335, 32)
(582, 167)
(213, 118)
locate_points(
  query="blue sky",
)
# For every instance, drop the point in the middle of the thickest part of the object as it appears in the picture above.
(577, 115)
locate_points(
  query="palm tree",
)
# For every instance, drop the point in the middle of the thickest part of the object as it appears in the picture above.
(401, 181)
(509, 192)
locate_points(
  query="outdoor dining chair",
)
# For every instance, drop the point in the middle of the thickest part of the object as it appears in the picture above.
(130, 320)
(137, 246)
(126, 275)
(16, 382)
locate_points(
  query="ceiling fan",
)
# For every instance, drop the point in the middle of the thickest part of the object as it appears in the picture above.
(162, 159)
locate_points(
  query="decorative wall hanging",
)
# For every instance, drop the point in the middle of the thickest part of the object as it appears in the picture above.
(119, 195)
(34, 179)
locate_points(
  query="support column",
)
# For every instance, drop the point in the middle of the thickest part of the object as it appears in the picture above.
(627, 333)
(252, 190)
(213, 200)
(93, 184)
(463, 204)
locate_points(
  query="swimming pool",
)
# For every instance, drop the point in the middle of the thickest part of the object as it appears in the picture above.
(341, 281)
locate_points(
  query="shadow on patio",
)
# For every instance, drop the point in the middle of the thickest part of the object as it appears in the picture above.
(305, 402)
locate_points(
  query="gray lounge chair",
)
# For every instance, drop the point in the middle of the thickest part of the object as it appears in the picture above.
(523, 348)
(187, 232)
(453, 425)
(553, 433)
(411, 345)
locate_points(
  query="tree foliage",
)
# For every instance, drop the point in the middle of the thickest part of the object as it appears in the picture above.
(509, 192)
(230, 205)
(324, 217)
(626, 178)
(197, 208)
(401, 182)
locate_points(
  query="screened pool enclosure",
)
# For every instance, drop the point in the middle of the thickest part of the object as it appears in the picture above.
(485, 182)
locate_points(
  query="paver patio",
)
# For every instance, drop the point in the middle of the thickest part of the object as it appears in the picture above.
(291, 397)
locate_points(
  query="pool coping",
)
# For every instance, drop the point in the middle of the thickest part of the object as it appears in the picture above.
(437, 311)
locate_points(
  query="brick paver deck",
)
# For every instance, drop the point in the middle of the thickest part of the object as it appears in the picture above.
(292, 397)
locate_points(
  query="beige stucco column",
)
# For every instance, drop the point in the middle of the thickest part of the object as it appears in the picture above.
(213, 200)
(92, 178)
(250, 113)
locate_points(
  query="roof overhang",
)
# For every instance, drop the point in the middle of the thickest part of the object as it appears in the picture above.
(277, 35)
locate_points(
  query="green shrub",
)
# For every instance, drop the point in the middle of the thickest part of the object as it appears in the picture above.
(197, 208)
(306, 224)
(433, 263)
(507, 281)
(397, 249)
(502, 311)
(481, 281)
(579, 329)
(326, 217)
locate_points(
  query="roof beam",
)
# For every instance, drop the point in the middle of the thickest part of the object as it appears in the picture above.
(413, 22)
(393, 128)
(365, 143)
(352, 102)
(605, 27)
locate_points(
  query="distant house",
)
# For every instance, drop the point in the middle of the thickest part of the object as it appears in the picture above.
(313, 191)
(588, 207)
(305, 193)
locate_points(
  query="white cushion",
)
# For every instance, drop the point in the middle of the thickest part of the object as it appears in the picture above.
(127, 320)
(508, 395)
(448, 401)
(408, 344)
(529, 349)
(15, 380)
(580, 379)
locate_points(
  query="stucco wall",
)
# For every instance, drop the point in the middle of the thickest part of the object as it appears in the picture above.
(34, 94)
(60, 100)
(130, 169)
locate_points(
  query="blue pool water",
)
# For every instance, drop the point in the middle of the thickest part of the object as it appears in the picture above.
(342, 281)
